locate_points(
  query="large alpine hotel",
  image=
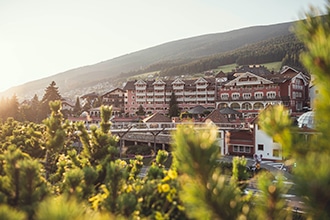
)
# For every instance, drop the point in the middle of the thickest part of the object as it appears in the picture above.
(247, 90)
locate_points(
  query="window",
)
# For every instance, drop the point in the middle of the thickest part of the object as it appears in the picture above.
(246, 95)
(235, 95)
(260, 147)
(276, 153)
(224, 96)
(271, 95)
(258, 95)
(241, 149)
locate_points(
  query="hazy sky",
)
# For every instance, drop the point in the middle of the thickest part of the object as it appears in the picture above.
(39, 38)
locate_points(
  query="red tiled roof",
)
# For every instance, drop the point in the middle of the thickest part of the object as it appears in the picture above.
(216, 117)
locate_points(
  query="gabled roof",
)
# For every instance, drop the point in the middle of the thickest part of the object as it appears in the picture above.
(140, 82)
(220, 74)
(287, 69)
(216, 117)
(245, 79)
(201, 79)
(178, 81)
(114, 90)
(301, 76)
(159, 81)
(157, 117)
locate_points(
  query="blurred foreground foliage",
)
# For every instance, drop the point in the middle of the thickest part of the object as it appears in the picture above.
(58, 170)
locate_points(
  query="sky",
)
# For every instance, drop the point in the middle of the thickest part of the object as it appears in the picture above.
(40, 38)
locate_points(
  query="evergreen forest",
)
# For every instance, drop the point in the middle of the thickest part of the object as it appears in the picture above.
(284, 49)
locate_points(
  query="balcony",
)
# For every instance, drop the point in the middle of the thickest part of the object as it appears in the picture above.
(159, 87)
(190, 99)
(159, 100)
(159, 93)
(201, 99)
(179, 93)
(201, 93)
(177, 87)
(140, 88)
(187, 93)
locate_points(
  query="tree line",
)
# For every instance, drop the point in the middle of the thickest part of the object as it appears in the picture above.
(285, 49)
(33, 110)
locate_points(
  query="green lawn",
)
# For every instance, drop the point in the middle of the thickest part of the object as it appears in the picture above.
(271, 66)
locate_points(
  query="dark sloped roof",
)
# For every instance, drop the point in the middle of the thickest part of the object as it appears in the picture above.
(113, 90)
(129, 85)
(198, 109)
(90, 95)
(157, 117)
(228, 110)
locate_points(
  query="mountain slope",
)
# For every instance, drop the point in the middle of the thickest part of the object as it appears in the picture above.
(185, 49)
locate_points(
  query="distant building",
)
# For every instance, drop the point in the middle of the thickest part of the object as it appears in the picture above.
(155, 95)
(116, 99)
(250, 92)
(246, 92)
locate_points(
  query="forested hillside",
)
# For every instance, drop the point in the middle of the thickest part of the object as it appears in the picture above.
(285, 49)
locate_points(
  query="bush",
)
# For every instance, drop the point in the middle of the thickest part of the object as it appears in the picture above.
(143, 150)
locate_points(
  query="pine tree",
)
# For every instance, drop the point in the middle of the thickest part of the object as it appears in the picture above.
(310, 152)
(55, 136)
(51, 94)
(141, 111)
(21, 183)
(173, 106)
(35, 109)
(13, 107)
(99, 146)
(77, 107)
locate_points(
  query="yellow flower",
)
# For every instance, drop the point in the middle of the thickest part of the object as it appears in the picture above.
(159, 188)
(159, 216)
(123, 163)
(166, 178)
(129, 188)
(172, 174)
(169, 197)
(165, 187)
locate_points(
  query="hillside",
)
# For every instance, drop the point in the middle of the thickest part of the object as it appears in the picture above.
(84, 79)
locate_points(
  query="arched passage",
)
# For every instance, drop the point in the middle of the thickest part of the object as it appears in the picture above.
(247, 106)
(258, 105)
(235, 106)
